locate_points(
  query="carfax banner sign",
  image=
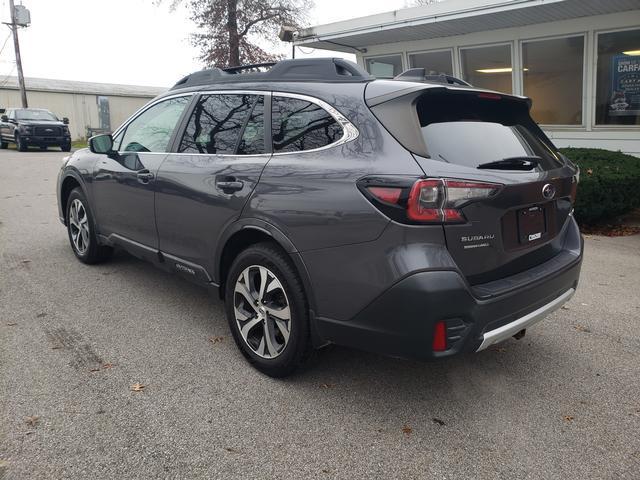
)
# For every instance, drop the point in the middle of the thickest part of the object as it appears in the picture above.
(625, 85)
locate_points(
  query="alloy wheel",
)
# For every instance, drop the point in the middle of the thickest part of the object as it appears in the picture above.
(262, 311)
(79, 226)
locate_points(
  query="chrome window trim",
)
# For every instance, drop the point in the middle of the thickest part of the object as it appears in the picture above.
(349, 131)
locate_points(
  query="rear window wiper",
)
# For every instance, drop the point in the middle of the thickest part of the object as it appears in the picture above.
(512, 163)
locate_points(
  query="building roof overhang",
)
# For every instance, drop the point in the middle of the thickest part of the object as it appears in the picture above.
(450, 18)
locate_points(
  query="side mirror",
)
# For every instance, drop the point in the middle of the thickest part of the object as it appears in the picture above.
(101, 144)
(65, 120)
(3, 110)
(4, 118)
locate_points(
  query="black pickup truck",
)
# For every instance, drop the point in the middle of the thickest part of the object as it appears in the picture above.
(34, 127)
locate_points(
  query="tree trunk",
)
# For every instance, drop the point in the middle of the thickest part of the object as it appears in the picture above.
(234, 39)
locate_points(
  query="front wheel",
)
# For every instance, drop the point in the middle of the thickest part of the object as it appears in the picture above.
(81, 230)
(267, 310)
(21, 144)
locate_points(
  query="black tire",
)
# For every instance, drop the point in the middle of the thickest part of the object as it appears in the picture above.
(66, 147)
(21, 144)
(4, 145)
(297, 349)
(93, 251)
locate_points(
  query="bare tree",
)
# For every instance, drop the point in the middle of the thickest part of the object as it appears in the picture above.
(228, 30)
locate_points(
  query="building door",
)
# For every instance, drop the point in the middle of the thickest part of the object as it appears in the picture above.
(104, 118)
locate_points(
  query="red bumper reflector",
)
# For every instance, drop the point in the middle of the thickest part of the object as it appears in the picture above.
(439, 337)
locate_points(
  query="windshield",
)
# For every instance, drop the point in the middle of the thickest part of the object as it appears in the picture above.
(34, 114)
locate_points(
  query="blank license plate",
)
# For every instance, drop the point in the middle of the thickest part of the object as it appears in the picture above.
(531, 224)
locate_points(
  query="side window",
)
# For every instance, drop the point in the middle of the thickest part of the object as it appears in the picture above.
(216, 123)
(252, 141)
(151, 131)
(12, 114)
(300, 125)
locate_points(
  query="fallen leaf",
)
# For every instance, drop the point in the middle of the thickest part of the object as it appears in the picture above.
(232, 450)
(326, 470)
(41, 315)
(498, 349)
(97, 369)
(31, 421)
(564, 307)
(568, 418)
(108, 365)
(327, 386)
(137, 387)
(216, 339)
(407, 430)
(56, 347)
(582, 328)
(438, 421)
(26, 261)
(11, 324)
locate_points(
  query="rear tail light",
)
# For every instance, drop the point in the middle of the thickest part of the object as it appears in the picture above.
(436, 200)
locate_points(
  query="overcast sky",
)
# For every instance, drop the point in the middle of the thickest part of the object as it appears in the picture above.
(128, 41)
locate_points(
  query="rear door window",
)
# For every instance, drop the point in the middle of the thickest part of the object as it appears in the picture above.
(298, 125)
(217, 122)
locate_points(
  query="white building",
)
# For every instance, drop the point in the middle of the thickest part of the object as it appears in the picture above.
(579, 60)
(87, 105)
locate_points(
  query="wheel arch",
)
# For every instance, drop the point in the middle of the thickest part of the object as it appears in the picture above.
(247, 232)
(67, 185)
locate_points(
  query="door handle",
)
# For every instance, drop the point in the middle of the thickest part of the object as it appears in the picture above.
(229, 184)
(144, 176)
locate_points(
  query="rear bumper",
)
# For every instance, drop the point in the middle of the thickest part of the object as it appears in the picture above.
(401, 321)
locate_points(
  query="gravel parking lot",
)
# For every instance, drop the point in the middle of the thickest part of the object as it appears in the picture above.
(564, 402)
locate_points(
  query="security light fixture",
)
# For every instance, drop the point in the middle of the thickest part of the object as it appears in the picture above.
(498, 70)
(632, 52)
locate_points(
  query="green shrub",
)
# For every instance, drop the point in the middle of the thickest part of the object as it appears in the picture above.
(609, 183)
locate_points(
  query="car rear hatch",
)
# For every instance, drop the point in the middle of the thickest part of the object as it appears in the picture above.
(506, 192)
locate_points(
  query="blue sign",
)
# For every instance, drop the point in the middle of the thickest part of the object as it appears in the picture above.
(625, 85)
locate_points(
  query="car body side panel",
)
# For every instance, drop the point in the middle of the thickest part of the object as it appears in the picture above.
(191, 211)
(312, 196)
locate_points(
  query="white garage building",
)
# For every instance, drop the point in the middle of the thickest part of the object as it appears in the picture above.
(579, 60)
(88, 106)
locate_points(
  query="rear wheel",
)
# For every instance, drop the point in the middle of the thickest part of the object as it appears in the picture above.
(43, 147)
(266, 310)
(66, 147)
(21, 144)
(81, 230)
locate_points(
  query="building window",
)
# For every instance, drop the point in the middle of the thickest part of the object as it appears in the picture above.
(432, 62)
(618, 78)
(488, 67)
(384, 67)
(554, 82)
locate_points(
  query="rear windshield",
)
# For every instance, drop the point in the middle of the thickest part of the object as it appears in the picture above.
(472, 129)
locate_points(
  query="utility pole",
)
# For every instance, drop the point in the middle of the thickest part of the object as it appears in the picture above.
(14, 29)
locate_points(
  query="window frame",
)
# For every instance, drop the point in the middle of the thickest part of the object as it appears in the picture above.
(403, 61)
(594, 80)
(437, 50)
(585, 95)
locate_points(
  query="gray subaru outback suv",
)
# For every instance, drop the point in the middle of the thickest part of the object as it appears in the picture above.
(417, 217)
